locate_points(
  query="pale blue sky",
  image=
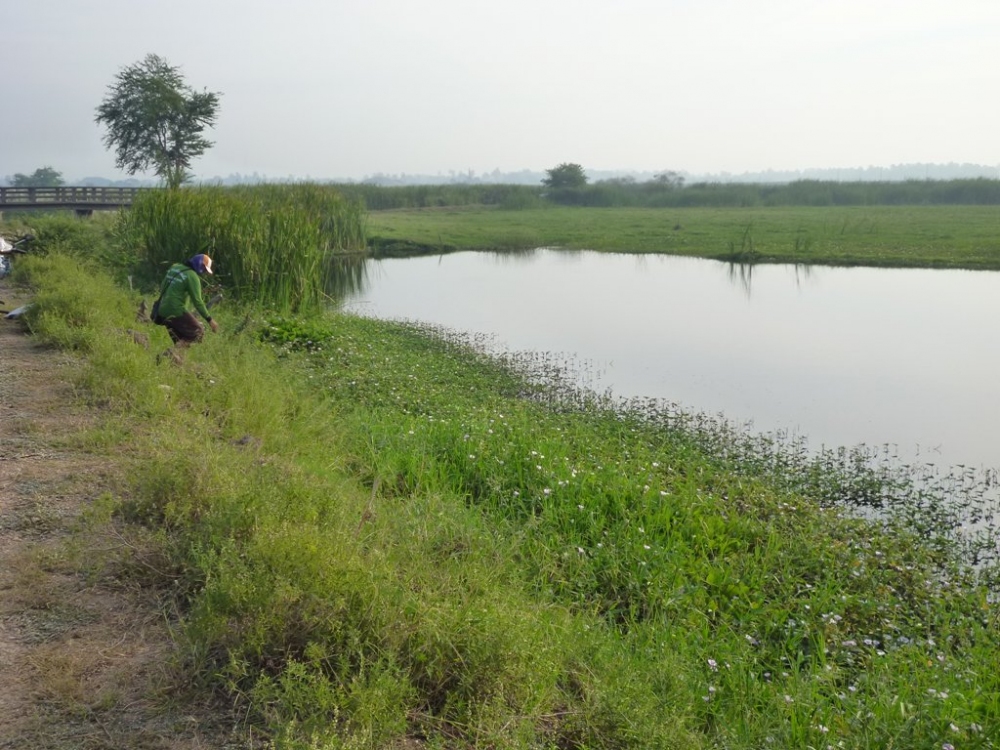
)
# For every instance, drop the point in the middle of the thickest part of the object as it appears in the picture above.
(348, 88)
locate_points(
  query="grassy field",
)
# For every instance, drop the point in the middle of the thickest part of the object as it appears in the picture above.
(915, 236)
(374, 536)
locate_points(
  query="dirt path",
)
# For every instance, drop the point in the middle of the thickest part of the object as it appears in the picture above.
(84, 655)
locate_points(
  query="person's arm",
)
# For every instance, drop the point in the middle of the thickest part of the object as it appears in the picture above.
(194, 290)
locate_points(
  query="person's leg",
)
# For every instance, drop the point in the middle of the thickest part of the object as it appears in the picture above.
(184, 330)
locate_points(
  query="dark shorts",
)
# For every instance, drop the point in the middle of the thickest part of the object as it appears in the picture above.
(186, 328)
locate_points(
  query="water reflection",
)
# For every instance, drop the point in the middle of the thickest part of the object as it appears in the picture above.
(840, 356)
(346, 276)
(741, 274)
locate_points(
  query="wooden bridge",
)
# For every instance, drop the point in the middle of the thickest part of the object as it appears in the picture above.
(83, 200)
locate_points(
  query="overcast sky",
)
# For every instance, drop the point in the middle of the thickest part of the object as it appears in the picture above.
(349, 88)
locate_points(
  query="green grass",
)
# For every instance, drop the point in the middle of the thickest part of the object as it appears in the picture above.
(915, 236)
(275, 245)
(372, 532)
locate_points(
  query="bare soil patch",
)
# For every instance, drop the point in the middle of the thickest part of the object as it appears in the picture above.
(85, 655)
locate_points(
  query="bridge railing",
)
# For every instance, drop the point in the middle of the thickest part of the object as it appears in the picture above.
(67, 196)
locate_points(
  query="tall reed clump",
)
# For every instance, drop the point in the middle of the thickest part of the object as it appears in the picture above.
(272, 245)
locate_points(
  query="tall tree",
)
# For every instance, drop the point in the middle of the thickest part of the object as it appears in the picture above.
(565, 175)
(41, 177)
(155, 120)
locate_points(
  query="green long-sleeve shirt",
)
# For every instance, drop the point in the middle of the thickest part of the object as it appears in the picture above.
(180, 285)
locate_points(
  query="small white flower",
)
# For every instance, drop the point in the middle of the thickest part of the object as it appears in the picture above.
(713, 665)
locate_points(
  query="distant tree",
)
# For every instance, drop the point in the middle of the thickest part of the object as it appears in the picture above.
(154, 120)
(669, 179)
(565, 176)
(624, 181)
(42, 177)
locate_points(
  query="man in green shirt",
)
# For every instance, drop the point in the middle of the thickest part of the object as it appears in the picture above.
(181, 286)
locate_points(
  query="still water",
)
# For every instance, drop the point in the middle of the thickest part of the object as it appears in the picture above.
(839, 356)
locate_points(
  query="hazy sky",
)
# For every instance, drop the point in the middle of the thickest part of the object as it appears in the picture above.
(348, 88)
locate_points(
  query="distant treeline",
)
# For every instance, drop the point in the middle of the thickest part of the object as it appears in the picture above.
(653, 194)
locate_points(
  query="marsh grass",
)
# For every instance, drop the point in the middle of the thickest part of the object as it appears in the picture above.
(272, 245)
(898, 236)
(374, 534)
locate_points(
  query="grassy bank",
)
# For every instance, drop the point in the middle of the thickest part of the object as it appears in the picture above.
(914, 236)
(372, 534)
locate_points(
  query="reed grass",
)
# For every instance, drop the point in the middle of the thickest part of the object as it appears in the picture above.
(272, 245)
(623, 192)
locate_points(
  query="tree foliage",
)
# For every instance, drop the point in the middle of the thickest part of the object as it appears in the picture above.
(155, 120)
(41, 177)
(566, 175)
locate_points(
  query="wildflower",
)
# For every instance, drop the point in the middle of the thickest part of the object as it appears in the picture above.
(546, 491)
(713, 665)
(789, 699)
(579, 507)
(645, 546)
(947, 746)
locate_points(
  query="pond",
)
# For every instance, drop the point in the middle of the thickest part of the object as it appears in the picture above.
(906, 359)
